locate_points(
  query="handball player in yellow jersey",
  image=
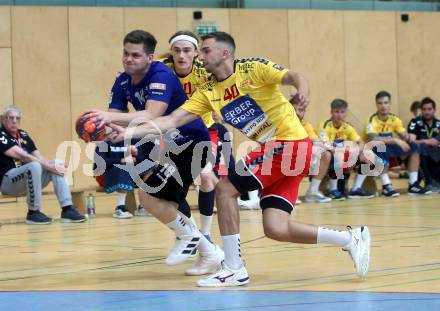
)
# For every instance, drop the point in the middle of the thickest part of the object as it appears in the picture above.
(246, 93)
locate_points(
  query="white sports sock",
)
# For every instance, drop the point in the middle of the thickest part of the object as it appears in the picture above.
(180, 226)
(314, 185)
(205, 224)
(333, 184)
(358, 181)
(231, 244)
(413, 177)
(121, 198)
(205, 246)
(332, 236)
(253, 195)
(385, 179)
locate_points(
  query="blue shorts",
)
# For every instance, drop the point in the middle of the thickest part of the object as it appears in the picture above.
(429, 151)
(117, 179)
(393, 150)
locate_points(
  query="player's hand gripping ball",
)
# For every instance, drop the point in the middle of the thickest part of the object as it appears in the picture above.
(88, 130)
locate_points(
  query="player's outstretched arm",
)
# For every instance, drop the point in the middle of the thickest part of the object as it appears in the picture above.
(152, 128)
(154, 109)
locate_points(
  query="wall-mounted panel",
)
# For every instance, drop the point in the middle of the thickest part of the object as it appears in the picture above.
(186, 21)
(260, 33)
(40, 67)
(5, 26)
(418, 51)
(96, 36)
(161, 22)
(370, 58)
(6, 93)
(316, 46)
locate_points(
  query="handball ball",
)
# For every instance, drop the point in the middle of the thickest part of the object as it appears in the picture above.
(88, 130)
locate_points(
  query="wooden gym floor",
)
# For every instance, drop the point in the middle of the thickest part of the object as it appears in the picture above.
(111, 264)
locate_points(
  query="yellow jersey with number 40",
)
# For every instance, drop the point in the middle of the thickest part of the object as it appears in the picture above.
(251, 101)
(192, 81)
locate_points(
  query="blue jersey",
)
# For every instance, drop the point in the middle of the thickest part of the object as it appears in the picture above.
(161, 84)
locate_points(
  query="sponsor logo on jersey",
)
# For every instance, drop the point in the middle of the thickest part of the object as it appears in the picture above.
(245, 115)
(200, 72)
(246, 67)
(241, 111)
(389, 135)
(158, 86)
(257, 124)
(278, 67)
(118, 149)
(140, 96)
(246, 83)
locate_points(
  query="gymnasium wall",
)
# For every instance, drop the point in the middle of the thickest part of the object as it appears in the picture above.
(58, 61)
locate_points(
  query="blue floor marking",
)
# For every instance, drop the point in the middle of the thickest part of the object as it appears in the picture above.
(202, 300)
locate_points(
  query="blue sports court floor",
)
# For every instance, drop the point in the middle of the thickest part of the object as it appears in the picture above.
(216, 300)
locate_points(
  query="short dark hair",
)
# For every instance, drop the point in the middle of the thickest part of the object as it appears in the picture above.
(383, 94)
(428, 100)
(184, 32)
(223, 37)
(415, 105)
(142, 37)
(338, 104)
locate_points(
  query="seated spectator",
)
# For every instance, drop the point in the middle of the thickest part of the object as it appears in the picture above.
(397, 167)
(426, 128)
(337, 132)
(321, 157)
(115, 178)
(385, 127)
(23, 170)
(416, 108)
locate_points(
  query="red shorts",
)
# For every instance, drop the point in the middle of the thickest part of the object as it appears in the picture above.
(277, 168)
(213, 137)
(100, 180)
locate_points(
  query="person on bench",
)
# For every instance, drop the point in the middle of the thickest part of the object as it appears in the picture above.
(24, 170)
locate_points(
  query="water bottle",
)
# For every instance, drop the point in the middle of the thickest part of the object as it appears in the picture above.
(91, 206)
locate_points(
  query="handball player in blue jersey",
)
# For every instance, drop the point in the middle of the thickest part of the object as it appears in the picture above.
(154, 90)
(246, 93)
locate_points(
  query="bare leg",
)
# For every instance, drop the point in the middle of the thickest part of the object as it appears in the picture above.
(414, 162)
(278, 226)
(208, 179)
(164, 211)
(324, 163)
(228, 212)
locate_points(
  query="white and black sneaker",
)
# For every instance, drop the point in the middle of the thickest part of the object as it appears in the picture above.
(359, 249)
(316, 197)
(388, 191)
(226, 276)
(183, 248)
(121, 213)
(416, 189)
